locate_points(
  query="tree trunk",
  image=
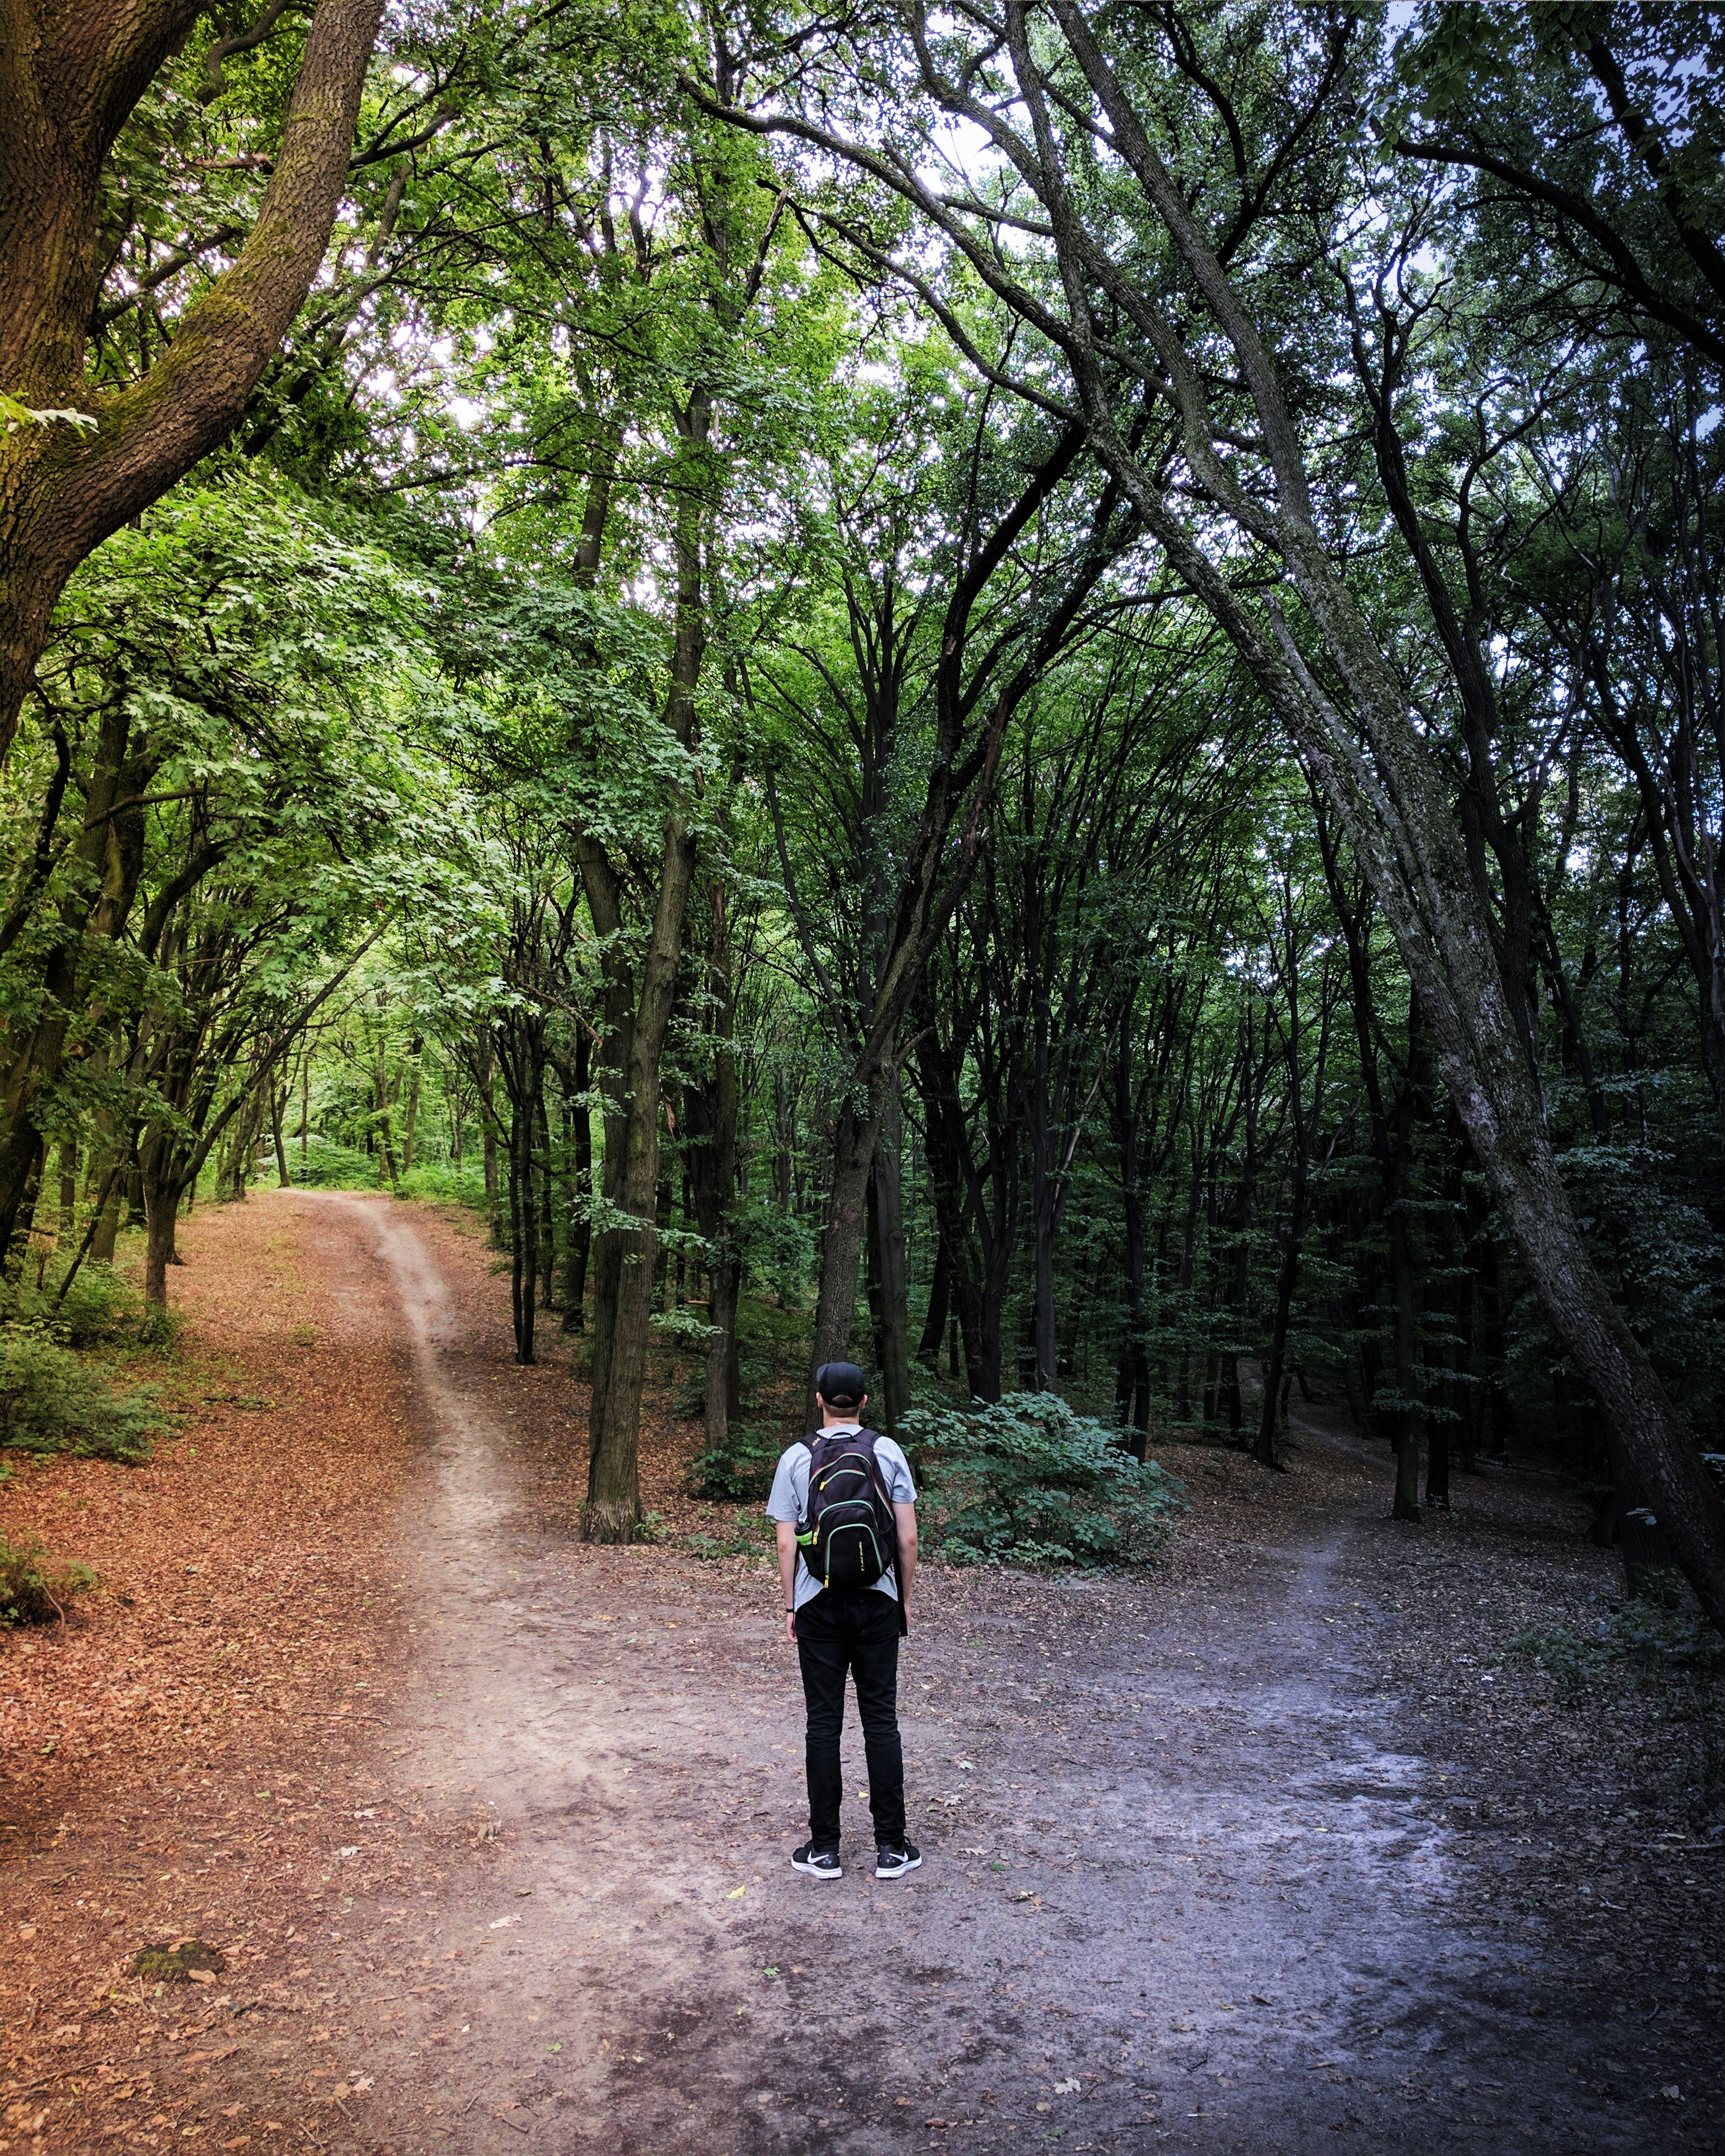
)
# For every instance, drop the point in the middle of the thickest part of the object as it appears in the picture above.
(713, 1182)
(613, 1507)
(1270, 1419)
(934, 1321)
(548, 1198)
(894, 1349)
(1046, 1378)
(165, 1182)
(1132, 1387)
(386, 1135)
(278, 1108)
(416, 1050)
(856, 1133)
(485, 1083)
(523, 1230)
(107, 1234)
(579, 1116)
(69, 1189)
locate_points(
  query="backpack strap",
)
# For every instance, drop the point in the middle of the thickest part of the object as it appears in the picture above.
(872, 1437)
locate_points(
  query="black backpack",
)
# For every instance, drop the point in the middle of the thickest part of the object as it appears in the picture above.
(849, 1537)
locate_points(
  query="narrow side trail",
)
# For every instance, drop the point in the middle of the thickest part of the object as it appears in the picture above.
(1198, 1876)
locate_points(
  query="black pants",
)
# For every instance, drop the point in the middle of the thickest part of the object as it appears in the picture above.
(858, 1633)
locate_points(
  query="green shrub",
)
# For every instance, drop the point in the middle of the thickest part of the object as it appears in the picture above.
(50, 1401)
(688, 1392)
(441, 1181)
(34, 1588)
(751, 1536)
(1664, 1629)
(739, 1472)
(99, 1310)
(328, 1165)
(1024, 1480)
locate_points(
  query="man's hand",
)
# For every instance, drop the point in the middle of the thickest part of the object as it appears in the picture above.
(790, 1626)
(904, 1518)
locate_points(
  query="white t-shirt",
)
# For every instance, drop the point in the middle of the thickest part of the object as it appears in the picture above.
(790, 1499)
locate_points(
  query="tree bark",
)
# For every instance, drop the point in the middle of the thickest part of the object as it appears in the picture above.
(934, 1319)
(163, 1202)
(1132, 1387)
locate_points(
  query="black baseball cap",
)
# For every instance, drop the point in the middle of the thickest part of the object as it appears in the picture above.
(840, 1384)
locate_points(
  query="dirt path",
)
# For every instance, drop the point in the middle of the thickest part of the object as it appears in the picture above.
(1191, 1882)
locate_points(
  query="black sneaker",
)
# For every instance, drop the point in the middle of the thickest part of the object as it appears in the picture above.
(893, 1859)
(818, 1863)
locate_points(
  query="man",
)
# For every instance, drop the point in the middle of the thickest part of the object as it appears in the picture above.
(858, 1630)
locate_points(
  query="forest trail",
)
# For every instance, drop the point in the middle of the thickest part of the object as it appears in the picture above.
(1246, 1854)
(1181, 1891)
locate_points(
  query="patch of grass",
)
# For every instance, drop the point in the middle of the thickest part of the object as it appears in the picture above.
(441, 1183)
(749, 1537)
(1024, 1480)
(173, 1964)
(35, 1588)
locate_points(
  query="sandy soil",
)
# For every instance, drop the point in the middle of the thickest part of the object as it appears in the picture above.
(1264, 1851)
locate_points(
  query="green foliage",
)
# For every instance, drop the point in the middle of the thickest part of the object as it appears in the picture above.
(1661, 1628)
(100, 1309)
(739, 1472)
(51, 1400)
(1024, 1480)
(687, 1327)
(327, 1164)
(750, 1537)
(34, 1586)
(777, 1247)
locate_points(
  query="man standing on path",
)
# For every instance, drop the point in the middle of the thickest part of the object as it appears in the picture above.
(847, 1556)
